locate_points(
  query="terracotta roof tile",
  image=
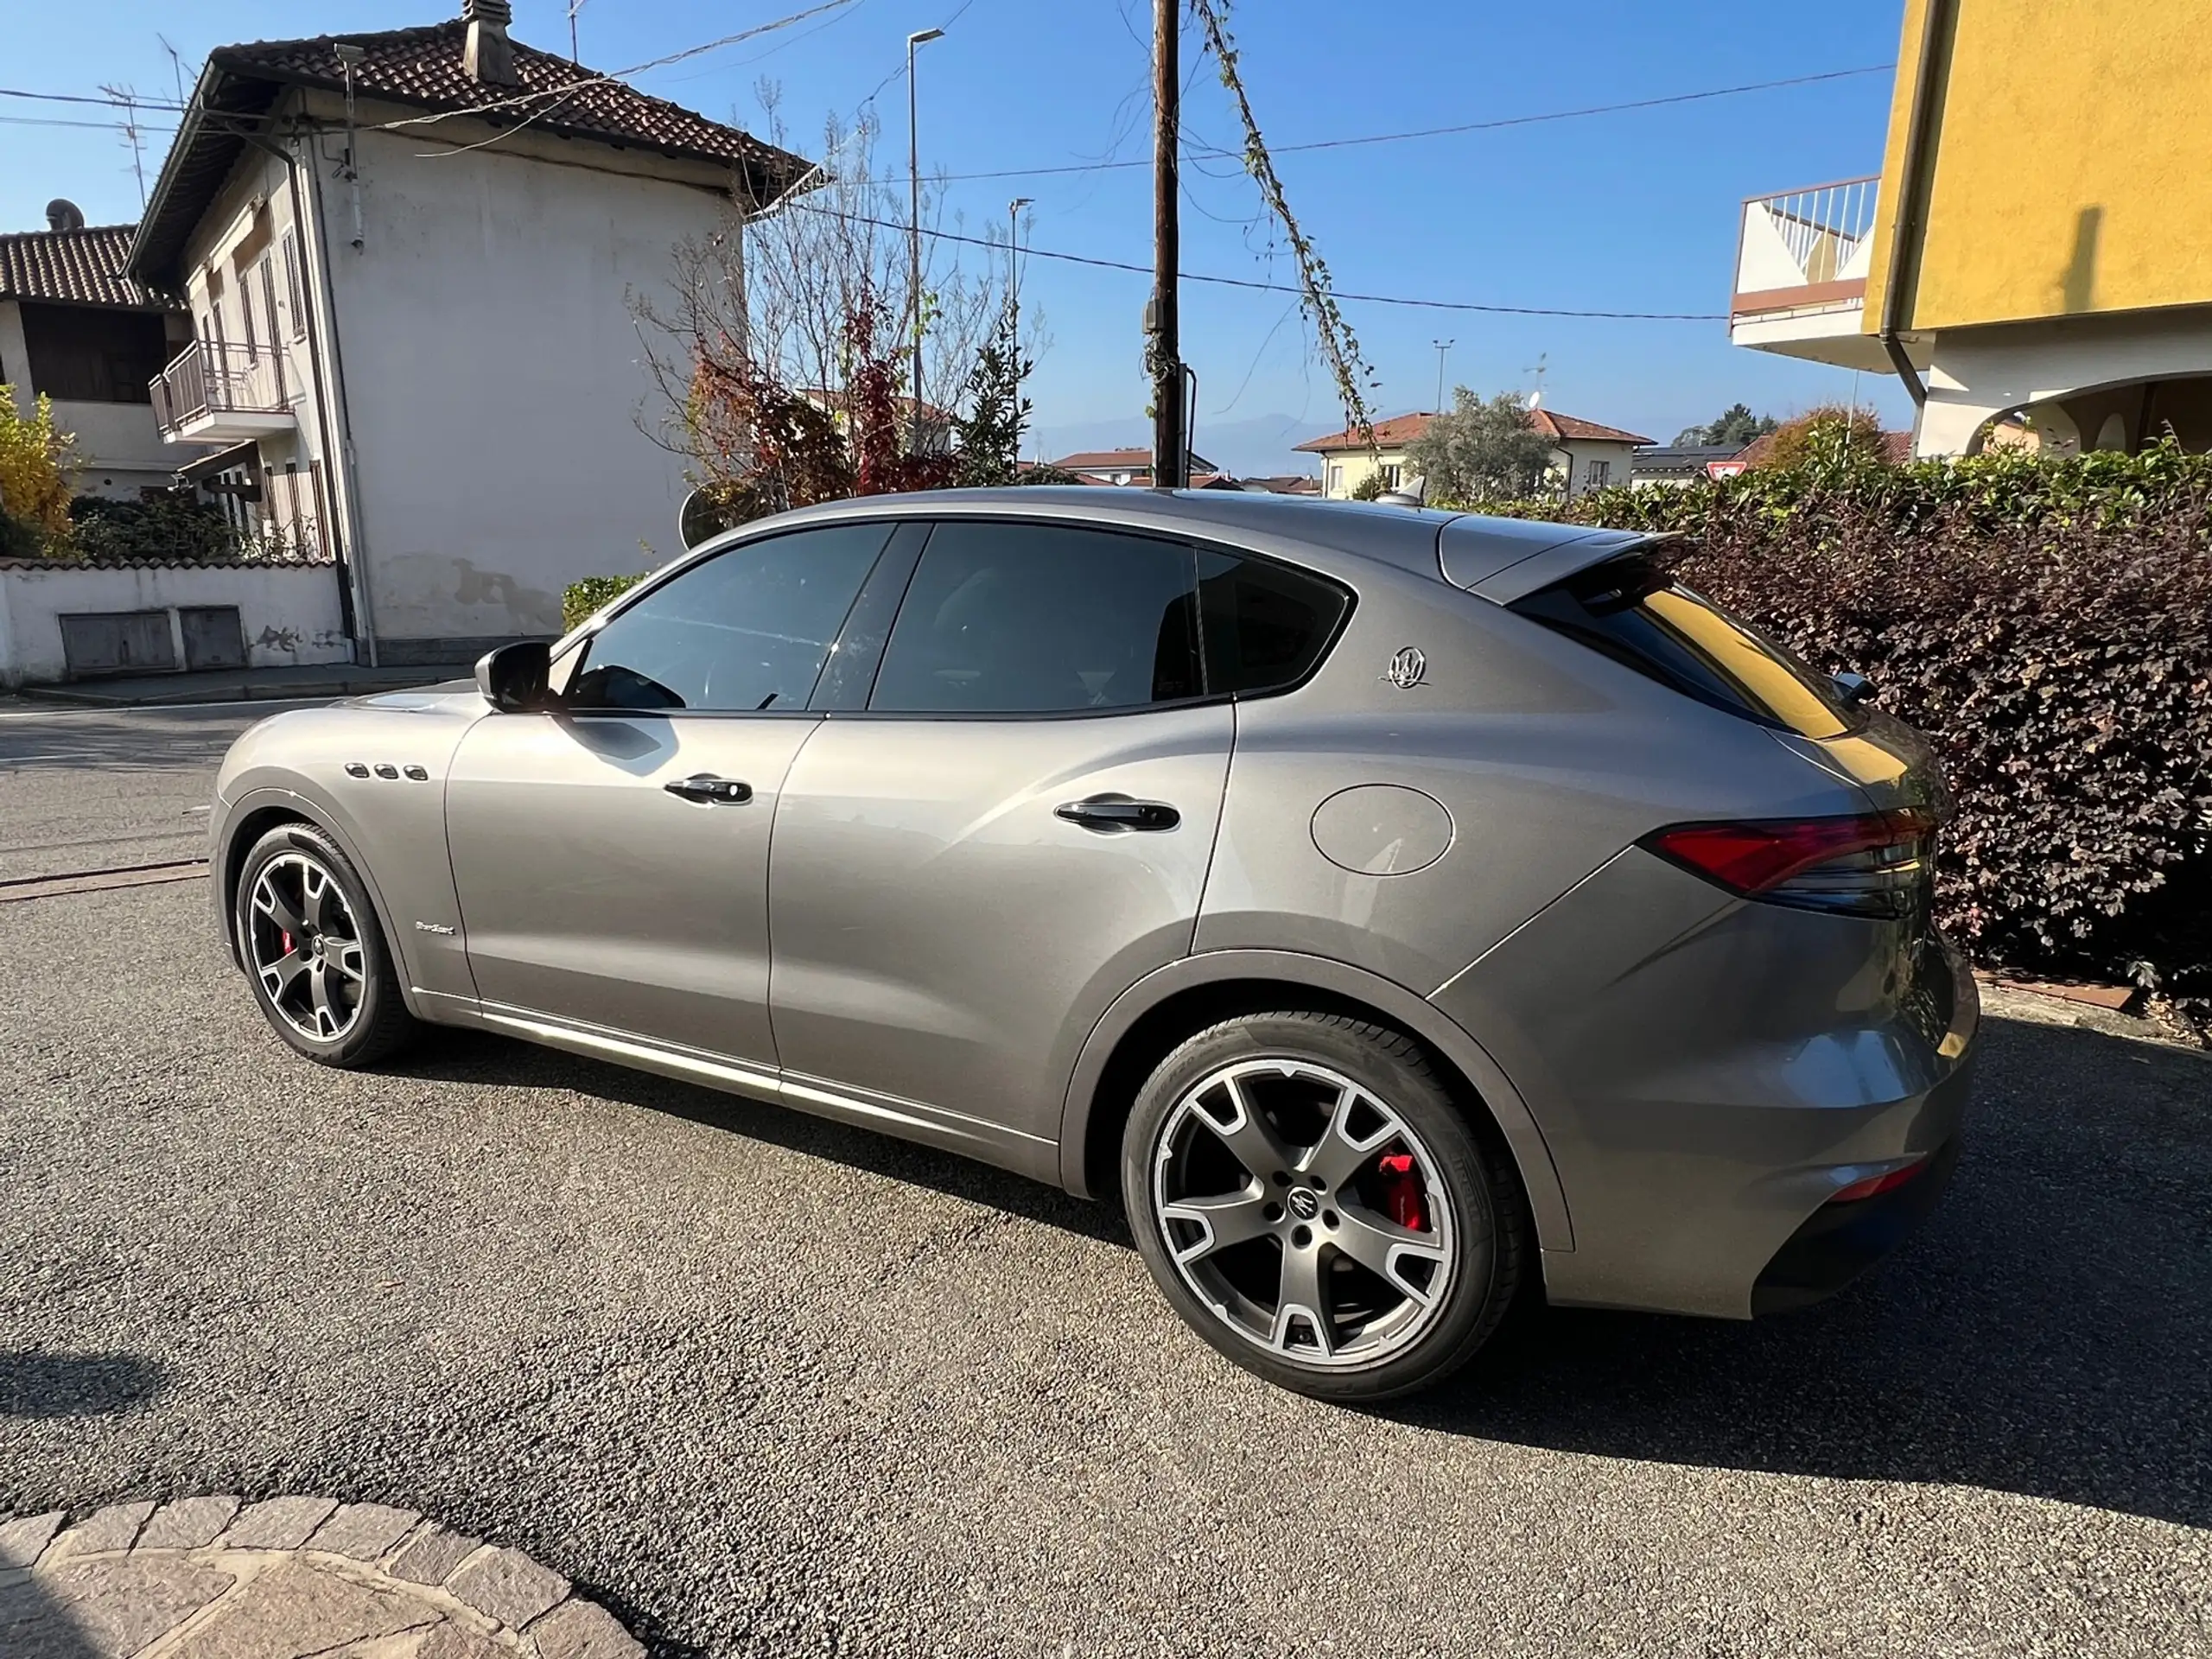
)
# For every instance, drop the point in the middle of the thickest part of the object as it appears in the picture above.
(1552, 424)
(82, 267)
(1402, 429)
(422, 67)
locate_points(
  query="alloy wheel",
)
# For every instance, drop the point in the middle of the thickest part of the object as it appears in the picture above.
(1305, 1212)
(306, 946)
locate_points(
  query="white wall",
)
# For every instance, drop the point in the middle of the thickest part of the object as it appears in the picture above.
(495, 379)
(1979, 373)
(290, 613)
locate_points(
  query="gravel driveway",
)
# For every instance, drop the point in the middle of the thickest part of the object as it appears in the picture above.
(766, 1385)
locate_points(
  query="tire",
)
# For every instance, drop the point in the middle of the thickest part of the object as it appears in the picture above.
(1381, 1250)
(314, 952)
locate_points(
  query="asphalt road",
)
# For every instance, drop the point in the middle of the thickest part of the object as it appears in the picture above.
(768, 1386)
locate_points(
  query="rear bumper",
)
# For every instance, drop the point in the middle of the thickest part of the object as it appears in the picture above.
(1840, 1242)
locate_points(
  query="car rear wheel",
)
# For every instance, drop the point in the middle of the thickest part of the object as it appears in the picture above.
(1312, 1199)
(311, 944)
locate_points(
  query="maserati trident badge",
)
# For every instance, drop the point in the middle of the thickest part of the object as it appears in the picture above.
(1408, 669)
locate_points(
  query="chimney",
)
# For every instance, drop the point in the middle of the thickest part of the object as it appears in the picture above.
(488, 57)
(63, 215)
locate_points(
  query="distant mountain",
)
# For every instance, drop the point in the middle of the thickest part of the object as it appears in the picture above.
(1261, 447)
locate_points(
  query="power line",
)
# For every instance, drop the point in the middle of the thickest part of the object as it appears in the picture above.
(1462, 127)
(1286, 287)
(83, 98)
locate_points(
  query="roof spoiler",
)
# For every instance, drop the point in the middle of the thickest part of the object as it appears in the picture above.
(1506, 559)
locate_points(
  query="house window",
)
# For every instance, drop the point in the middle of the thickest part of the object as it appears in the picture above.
(1600, 473)
(1389, 470)
(294, 292)
(1336, 477)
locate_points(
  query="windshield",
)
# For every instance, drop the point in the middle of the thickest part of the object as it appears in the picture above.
(1638, 614)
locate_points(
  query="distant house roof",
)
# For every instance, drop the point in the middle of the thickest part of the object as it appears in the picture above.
(1284, 484)
(1393, 434)
(1402, 429)
(1122, 461)
(422, 67)
(1678, 459)
(81, 267)
(1571, 428)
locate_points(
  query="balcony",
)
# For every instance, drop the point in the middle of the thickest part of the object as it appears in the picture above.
(213, 393)
(1802, 259)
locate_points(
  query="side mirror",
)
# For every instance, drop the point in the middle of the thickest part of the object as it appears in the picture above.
(1853, 689)
(513, 678)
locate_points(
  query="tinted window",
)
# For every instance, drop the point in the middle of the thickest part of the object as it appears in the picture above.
(1039, 618)
(1265, 626)
(748, 629)
(1638, 614)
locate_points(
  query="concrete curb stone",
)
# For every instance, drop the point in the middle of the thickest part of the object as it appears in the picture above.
(216, 1578)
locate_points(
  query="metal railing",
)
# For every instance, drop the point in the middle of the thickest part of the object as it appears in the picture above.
(212, 378)
(1823, 224)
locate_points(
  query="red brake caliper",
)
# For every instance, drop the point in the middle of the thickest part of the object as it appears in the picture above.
(1401, 1190)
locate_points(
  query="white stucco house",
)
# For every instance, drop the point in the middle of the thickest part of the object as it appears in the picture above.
(74, 328)
(409, 258)
(1585, 455)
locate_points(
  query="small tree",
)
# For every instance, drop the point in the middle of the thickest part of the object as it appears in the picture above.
(1735, 427)
(988, 435)
(1368, 488)
(1830, 435)
(1481, 451)
(35, 471)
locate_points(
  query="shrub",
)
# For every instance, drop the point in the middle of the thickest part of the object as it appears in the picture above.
(2047, 623)
(170, 527)
(34, 468)
(1368, 488)
(583, 599)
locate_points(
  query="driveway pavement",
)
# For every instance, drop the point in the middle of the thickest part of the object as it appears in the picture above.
(765, 1385)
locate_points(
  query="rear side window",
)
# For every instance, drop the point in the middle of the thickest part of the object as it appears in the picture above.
(1638, 614)
(1016, 617)
(1265, 627)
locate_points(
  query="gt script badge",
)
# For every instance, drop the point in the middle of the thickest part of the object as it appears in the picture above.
(1408, 669)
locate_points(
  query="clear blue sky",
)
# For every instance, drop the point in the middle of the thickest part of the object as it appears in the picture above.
(1633, 210)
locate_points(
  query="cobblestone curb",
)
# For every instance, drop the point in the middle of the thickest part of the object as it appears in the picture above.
(215, 1578)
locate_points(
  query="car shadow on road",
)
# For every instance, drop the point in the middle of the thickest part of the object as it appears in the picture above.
(2048, 1332)
(455, 1056)
(39, 1385)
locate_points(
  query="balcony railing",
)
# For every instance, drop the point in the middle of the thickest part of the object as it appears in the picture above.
(214, 390)
(1808, 247)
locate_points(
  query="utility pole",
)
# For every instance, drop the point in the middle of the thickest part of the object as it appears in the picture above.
(1442, 347)
(920, 37)
(1013, 305)
(1171, 443)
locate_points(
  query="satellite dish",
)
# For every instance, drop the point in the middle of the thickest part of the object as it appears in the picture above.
(700, 519)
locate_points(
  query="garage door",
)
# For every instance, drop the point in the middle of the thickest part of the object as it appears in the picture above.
(116, 642)
(212, 636)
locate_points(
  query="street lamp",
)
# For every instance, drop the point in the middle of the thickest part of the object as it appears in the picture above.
(1442, 347)
(920, 37)
(1014, 305)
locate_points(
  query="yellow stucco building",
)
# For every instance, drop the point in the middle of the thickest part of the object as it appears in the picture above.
(2039, 239)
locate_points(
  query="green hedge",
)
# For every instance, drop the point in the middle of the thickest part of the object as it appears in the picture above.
(581, 598)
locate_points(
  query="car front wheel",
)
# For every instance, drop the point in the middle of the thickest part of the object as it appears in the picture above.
(1313, 1200)
(310, 943)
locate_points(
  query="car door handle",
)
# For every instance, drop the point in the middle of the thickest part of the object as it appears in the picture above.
(708, 791)
(1108, 813)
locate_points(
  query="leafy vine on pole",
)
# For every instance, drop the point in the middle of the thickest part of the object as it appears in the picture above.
(1316, 298)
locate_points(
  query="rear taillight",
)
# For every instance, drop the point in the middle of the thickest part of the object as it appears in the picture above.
(1874, 1186)
(1870, 864)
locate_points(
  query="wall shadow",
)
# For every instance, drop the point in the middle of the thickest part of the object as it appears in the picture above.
(2078, 284)
(44, 1385)
(2048, 1333)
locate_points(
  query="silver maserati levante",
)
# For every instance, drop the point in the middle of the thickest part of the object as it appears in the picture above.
(1399, 912)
